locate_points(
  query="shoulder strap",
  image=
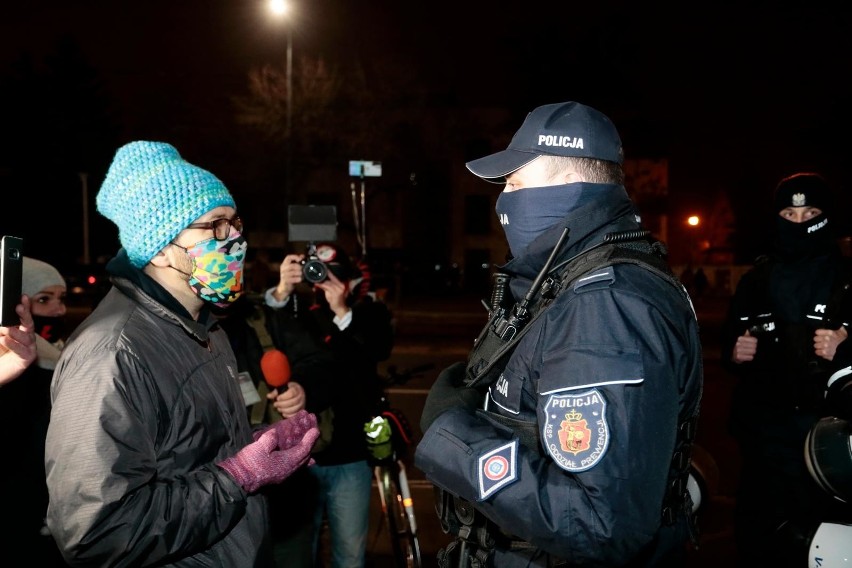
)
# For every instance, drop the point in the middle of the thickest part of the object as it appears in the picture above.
(653, 261)
(491, 351)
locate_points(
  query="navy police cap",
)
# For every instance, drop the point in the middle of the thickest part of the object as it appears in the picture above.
(569, 129)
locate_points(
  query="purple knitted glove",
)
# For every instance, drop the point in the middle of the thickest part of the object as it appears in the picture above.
(261, 462)
(290, 430)
(260, 431)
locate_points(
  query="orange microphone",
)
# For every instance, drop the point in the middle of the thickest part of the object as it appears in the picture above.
(276, 369)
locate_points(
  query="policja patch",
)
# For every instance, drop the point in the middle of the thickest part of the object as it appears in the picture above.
(575, 430)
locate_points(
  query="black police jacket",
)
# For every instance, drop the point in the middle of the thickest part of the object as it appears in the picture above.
(784, 386)
(606, 375)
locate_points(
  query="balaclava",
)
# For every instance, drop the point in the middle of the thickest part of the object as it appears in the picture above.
(813, 237)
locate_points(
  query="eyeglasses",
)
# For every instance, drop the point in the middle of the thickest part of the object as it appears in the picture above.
(221, 227)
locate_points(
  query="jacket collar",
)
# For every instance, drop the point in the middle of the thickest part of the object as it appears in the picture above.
(147, 292)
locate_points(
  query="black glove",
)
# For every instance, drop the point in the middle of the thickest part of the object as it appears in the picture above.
(447, 392)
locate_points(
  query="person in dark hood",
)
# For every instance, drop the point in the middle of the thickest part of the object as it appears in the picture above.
(565, 438)
(150, 458)
(785, 323)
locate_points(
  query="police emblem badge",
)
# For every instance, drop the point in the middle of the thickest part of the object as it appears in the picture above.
(798, 200)
(575, 431)
(497, 469)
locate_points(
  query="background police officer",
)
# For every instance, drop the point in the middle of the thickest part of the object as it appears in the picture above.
(786, 320)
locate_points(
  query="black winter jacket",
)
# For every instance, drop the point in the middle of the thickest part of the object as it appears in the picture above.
(780, 395)
(145, 403)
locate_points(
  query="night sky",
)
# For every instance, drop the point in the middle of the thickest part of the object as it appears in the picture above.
(735, 97)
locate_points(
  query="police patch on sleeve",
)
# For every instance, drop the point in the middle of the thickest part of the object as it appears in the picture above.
(575, 431)
(497, 469)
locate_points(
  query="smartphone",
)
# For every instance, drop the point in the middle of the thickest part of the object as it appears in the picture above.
(11, 271)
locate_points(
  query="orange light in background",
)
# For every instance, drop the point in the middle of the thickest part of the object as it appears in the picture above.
(693, 220)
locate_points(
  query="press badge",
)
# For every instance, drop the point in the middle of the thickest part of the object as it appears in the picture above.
(250, 395)
(575, 430)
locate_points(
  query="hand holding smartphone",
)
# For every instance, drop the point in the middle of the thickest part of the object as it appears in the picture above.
(11, 272)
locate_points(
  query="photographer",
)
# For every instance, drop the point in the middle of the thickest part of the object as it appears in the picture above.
(357, 329)
(785, 323)
(253, 330)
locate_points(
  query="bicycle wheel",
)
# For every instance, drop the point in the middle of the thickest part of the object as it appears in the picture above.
(399, 513)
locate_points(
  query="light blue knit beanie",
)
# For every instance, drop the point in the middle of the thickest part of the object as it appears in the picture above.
(152, 194)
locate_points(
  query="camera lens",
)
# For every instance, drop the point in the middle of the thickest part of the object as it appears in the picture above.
(314, 271)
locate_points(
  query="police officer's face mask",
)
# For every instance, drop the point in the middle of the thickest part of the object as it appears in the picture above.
(527, 213)
(802, 240)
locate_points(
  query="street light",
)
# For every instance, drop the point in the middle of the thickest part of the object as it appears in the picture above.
(281, 9)
(697, 244)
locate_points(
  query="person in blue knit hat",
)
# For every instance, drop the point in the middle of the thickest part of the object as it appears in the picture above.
(150, 458)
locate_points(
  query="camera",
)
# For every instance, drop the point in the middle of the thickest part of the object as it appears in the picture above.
(312, 223)
(314, 270)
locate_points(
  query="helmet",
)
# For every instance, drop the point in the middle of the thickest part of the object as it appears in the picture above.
(831, 546)
(703, 482)
(695, 492)
(828, 455)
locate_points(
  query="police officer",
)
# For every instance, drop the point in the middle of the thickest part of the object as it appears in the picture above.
(788, 316)
(574, 451)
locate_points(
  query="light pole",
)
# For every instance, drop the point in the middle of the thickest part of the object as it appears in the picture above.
(84, 185)
(281, 9)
